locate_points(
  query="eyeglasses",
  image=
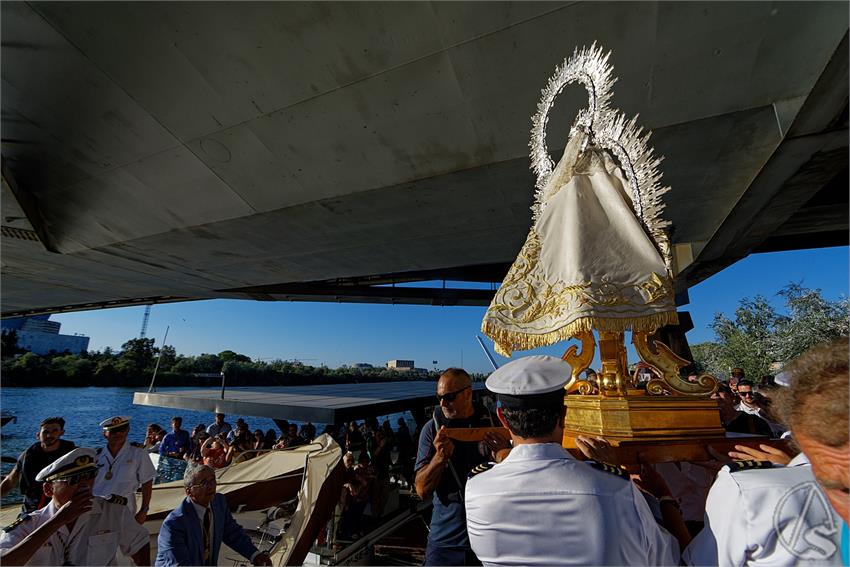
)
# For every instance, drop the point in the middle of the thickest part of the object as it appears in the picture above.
(117, 431)
(450, 396)
(210, 482)
(747, 394)
(77, 478)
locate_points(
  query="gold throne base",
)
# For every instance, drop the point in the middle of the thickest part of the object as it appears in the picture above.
(639, 416)
(667, 419)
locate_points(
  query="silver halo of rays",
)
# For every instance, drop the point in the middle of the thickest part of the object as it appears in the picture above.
(605, 127)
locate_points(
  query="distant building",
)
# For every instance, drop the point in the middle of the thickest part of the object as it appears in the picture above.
(401, 365)
(39, 335)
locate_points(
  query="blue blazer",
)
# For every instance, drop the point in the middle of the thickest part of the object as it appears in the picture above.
(181, 541)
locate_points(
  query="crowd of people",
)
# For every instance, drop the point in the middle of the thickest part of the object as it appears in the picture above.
(54, 483)
(219, 444)
(375, 455)
(79, 504)
(530, 502)
(516, 497)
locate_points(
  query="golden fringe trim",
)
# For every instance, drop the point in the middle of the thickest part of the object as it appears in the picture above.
(508, 341)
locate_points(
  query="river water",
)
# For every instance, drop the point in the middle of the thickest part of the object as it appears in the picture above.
(84, 408)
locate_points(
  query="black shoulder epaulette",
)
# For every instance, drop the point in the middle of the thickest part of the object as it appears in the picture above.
(99, 450)
(609, 469)
(116, 499)
(483, 467)
(737, 466)
(16, 523)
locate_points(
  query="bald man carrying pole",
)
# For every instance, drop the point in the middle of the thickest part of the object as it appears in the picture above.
(442, 466)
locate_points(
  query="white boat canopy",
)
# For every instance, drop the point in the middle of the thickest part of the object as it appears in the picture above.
(326, 403)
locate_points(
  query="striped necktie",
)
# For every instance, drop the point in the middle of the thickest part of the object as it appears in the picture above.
(207, 538)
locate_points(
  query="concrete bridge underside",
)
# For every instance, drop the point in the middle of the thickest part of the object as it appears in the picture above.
(160, 152)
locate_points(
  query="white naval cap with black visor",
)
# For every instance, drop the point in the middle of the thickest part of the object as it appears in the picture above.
(530, 382)
(75, 463)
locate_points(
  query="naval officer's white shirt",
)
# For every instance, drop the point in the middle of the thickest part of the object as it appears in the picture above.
(541, 506)
(94, 540)
(131, 468)
(773, 516)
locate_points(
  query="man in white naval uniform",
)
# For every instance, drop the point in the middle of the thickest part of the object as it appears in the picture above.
(123, 468)
(758, 513)
(761, 514)
(541, 506)
(74, 528)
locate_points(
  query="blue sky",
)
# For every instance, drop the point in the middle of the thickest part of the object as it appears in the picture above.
(336, 334)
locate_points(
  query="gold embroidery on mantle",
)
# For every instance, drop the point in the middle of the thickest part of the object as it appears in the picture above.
(527, 309)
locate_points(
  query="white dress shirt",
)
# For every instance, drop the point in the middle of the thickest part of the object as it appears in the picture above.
(94, 540)
(752, 410)
(131, 468)
(541, 506)
(767, 516)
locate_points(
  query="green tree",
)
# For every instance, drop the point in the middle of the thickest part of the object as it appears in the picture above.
(9, 343)
(208, 363)
(230, 356)
(137, 356)
(29, 362)
(184, 365)
(811, 320)
(759, 335)
(168, 357)
(74, 369)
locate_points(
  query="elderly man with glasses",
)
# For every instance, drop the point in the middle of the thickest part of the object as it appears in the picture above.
(193, 532)
(74, 528)
(123, 468)
(442, 466)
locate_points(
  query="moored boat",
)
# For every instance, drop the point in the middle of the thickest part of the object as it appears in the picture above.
(6, 417)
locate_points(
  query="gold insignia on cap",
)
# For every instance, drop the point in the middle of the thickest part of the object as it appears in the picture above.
(116, 420)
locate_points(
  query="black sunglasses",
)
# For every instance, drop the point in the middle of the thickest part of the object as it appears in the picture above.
(450, 396)
(75, 479)
(747, 394)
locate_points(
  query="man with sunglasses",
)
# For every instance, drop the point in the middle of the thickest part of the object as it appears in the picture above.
(74, 528)
(748, 397)
(49, 447)
(442, 466)
(193, 532)
(123, 468)
(735, 420)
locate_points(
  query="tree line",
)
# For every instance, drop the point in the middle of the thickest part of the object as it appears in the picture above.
(133, 366)
(758, 338)
(761, 339)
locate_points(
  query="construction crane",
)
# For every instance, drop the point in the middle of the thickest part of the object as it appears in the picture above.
(145, 318)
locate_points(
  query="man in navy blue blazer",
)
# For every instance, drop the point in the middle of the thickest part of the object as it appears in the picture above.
(193, 532)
